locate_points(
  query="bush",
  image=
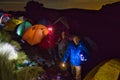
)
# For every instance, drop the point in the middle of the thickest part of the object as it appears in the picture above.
(8, 72)
(21, 57)
(6, 68)
(28, 73)
(4, 36)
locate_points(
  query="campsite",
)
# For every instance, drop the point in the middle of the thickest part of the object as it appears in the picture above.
(25, 38)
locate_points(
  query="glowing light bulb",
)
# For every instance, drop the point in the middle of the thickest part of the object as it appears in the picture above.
(50, 28)
(63, 65)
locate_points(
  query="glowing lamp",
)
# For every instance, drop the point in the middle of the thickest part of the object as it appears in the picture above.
(63, 65)
(50, 28)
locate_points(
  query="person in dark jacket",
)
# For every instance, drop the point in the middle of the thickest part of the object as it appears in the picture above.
(62, 44)
(77, 53)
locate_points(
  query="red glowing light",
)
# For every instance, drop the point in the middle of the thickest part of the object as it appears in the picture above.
(50, 28)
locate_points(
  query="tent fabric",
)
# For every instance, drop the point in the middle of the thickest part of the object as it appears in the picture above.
(44, 43)
(63, 21)
(44, 22)
(23, 27)
(1, 18)
(35, 34)
(12, 24)
(4, 17)
(1, 13)
(108, 70)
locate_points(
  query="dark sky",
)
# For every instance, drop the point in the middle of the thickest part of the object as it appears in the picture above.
(56, 4)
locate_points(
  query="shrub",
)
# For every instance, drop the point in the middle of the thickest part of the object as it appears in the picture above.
(6, 68)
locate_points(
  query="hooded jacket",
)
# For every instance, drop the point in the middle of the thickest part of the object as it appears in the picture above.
(74, 52)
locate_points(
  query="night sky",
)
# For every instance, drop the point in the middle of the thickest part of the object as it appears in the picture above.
(56, 4)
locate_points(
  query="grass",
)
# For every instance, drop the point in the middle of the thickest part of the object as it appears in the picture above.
(6, 68)
(28, 73)
(8, 71)
(4, 36)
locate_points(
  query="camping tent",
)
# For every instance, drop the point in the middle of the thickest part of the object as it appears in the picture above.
(12, 24)
(108, 70)
(35, 34)
(44, 22)
(23, 27)
(4, 17)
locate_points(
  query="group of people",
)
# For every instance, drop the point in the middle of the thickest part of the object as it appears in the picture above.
(58, 46)
(74, 51)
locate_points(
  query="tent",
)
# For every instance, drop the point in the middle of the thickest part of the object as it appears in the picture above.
(1, 16)
(4, 17)
(23, 27)
(107, 70)
(12, 24)
(44, 22)
(63, 21)
(35, 34)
